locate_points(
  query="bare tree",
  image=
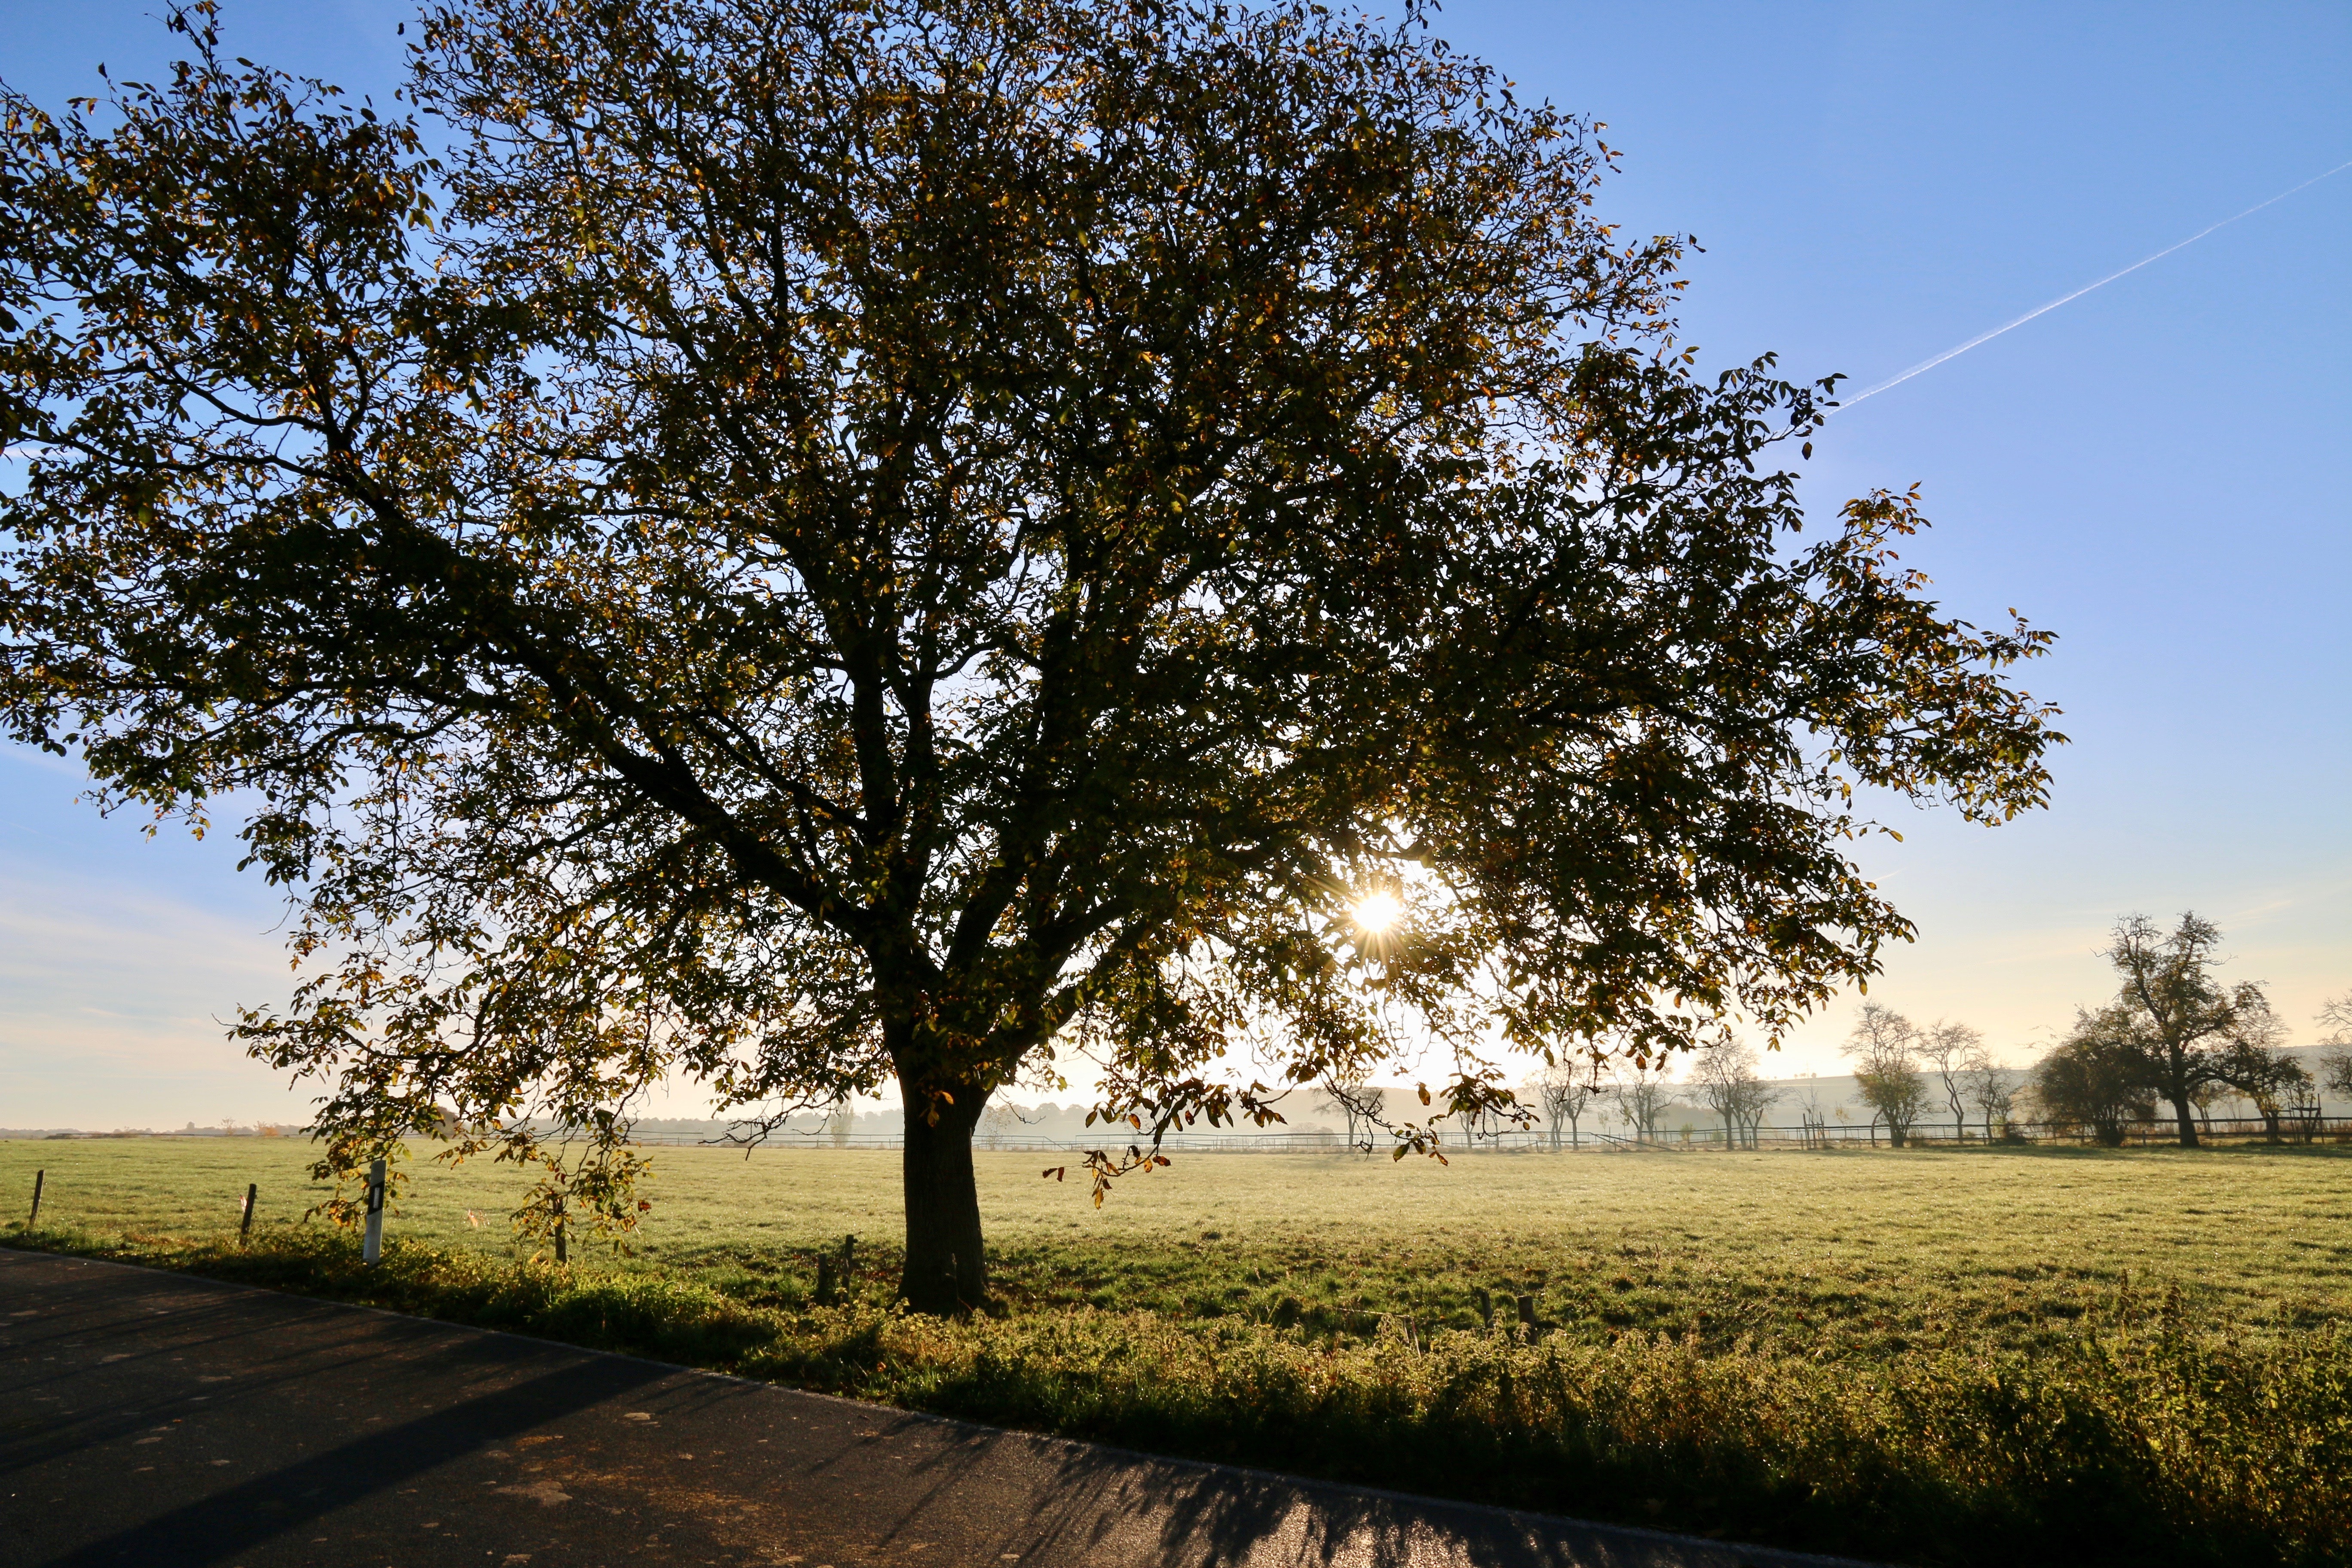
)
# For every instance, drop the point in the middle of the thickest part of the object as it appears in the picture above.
(1991, 1086)
(1817, 1126)
(2307, 1110)
(1884, 1049)
(1725, 1074)
(1756, 1097)
(1565, 1089)
(1949, 1048)
(2336, 1062)
(1641, 1094)
(1361, 1105)
(1001, 1121)
(1722, 1070)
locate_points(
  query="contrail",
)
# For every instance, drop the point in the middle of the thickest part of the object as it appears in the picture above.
(1930, 364)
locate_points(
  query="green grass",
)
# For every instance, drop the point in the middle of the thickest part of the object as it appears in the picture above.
(1992, 1356)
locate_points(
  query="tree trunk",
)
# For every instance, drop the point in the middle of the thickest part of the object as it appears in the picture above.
(946, 1272)
(2181, 1111)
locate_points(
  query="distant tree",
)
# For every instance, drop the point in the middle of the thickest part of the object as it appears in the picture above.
(1361, 1106)
(1564, 1089)
(1816, 1125)
(1991, 1086)
(2335, 1071)
(1883, 1047)
(1754, 1104)
(2255, 1067)
(1724, 1072)
(2306, 1104)
(2093, 1077)
(840, 1120)
(799, 545)
(2336, 1062)
(1641, 1093)
(1488, 1124)
(2335, 1016)
(2174, 1017)
(1001, 1121)
(1952, 1050)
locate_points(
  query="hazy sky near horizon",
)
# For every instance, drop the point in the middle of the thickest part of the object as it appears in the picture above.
(2159, 471)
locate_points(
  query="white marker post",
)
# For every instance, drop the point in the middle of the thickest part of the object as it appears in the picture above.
(372, 1248)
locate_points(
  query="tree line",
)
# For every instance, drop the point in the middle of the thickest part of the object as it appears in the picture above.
(2179, 1037)
(2175, 1036)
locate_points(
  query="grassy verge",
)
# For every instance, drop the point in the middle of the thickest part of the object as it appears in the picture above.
(2143, 1438)
(1852, 1255)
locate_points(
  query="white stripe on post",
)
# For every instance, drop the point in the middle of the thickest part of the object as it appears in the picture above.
(373, 1246)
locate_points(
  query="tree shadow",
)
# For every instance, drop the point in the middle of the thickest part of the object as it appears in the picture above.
(1094, 1503)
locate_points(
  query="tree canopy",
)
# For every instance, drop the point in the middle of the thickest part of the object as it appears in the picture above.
(2095, 1079)
(2178, 1022)
(799, 544)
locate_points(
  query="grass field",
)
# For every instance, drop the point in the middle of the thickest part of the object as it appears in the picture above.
(1851, 1252)
(1935, 1356)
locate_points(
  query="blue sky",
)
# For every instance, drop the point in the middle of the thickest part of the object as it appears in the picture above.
(2160, 472)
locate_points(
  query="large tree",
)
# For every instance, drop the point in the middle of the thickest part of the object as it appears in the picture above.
(2182, 1024)
(800, 544)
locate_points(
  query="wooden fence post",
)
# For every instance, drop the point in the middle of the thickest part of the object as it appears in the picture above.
(245, 1222)
(38, 1177)
(372, 1248)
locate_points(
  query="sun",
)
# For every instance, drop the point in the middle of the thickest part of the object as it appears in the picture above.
(1378, 912)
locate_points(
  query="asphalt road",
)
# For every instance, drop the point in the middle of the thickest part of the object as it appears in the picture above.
(155, 1420)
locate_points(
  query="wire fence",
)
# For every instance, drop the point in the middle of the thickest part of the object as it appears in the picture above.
(2290, 1127)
